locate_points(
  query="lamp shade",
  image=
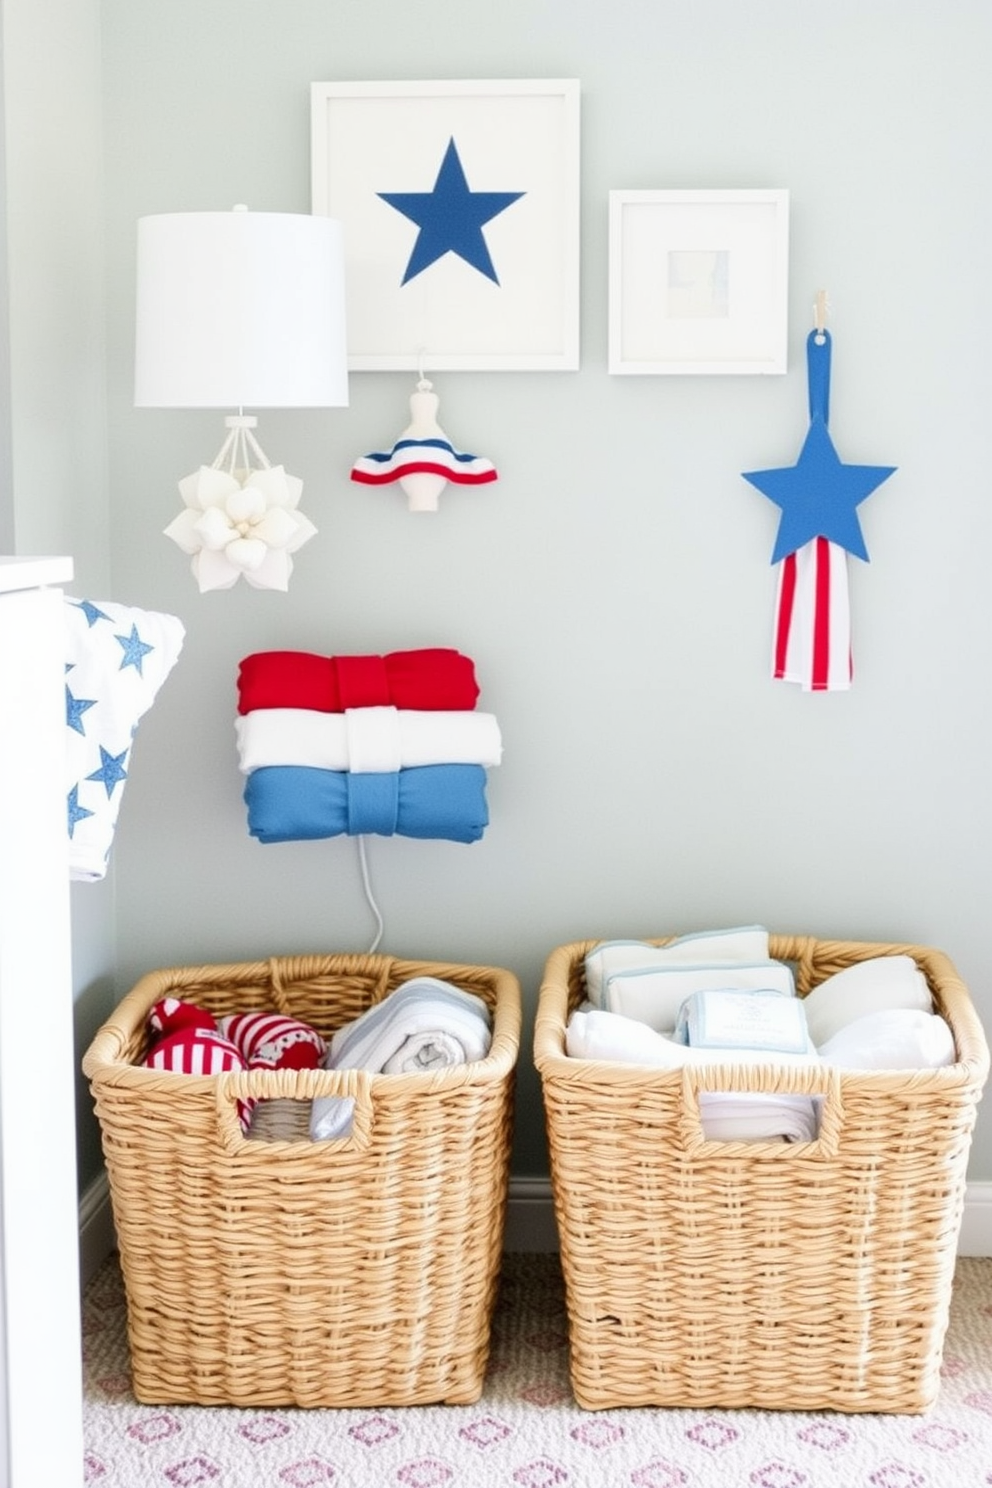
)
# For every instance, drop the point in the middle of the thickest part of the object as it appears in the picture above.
(240, 309)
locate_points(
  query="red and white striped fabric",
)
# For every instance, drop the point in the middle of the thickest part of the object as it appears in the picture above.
(200, 1051)
(812, 644)
(195, 1051)
(273, 1040)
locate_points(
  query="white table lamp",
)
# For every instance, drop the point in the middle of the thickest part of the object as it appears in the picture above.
(240, 310)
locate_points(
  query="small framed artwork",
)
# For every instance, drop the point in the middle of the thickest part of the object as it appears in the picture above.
(698, 281)
(459, 203)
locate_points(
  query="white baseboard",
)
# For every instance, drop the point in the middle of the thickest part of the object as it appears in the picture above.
(530, 1221)
(976, 1226)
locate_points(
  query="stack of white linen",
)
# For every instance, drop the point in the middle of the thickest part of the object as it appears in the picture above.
(876, 1014)
(726, 1116)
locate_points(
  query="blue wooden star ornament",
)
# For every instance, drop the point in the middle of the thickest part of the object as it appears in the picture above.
(819, 496)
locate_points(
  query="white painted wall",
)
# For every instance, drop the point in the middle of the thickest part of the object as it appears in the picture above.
(614, 587)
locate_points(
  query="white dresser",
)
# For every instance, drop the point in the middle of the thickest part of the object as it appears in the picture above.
(40, 1366)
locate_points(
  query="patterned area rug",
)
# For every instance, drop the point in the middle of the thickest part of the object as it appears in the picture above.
(526, 1431)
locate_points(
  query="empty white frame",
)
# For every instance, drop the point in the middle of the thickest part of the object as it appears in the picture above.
(698, 281)
(506, 295)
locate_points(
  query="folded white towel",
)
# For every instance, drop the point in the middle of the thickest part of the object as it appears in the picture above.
(655, 995)
(594, 1033)
(755, 1018)
(425, 1024)
(725, 1116)
(894, 1038)
(366, 740)
(869, 986)
(729, 1117)
(711, 947)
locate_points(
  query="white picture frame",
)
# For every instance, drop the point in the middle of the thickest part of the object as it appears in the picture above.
(518, 139)
(698, 281)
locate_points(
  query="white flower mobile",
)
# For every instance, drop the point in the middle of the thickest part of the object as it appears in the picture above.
(241, 521)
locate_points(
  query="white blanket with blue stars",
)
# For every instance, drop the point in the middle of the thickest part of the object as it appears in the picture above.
(117, 658)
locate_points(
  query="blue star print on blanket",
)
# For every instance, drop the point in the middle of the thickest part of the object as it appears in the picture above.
(116, 660)
(450, 218)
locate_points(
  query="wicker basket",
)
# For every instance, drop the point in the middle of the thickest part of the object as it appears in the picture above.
(357, 1272)
(806, 1277)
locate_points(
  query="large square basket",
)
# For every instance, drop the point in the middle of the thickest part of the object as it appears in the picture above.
(709, 1274)
(355, 1272)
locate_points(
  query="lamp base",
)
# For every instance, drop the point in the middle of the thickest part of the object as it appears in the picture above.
(241, 519)
(240, 444)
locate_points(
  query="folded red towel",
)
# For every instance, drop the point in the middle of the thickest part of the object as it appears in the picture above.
(432, 678)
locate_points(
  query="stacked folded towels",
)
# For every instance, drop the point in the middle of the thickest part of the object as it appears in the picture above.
(425, 1024)
(662, 1007)
(364, 744)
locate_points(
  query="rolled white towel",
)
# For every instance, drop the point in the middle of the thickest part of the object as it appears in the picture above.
(870, 986)
(425, 1024)
(894, 1038)
(363, 740)
(746, 943)
(424, 1007)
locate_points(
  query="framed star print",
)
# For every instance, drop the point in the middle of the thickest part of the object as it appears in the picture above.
(698, 281)
(460, 208)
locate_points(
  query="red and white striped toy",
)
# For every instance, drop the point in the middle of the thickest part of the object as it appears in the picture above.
(274, 1041)
(187, 1041)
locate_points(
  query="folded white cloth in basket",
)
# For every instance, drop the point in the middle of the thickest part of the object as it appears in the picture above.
(594, 1033)
(725, 1116)
(425, 1024)
(747, 943)
(728, 1117)
(894, 1038)
(871, 986)
(366, 740)
(743, 1018)
(657, 995)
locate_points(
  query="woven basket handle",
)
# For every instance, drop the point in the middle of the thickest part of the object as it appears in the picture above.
(819, 1081)
(237, 1086)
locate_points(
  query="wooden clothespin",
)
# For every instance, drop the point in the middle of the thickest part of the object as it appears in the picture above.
(820, 314)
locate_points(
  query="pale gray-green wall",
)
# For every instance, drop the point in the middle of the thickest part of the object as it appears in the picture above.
(54, 440)
(614, 587)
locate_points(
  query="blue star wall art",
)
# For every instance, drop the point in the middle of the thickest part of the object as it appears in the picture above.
(818, 498)
(459, 207)
(450, 218)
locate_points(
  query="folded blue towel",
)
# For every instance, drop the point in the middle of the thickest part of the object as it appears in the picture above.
(288, 803)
